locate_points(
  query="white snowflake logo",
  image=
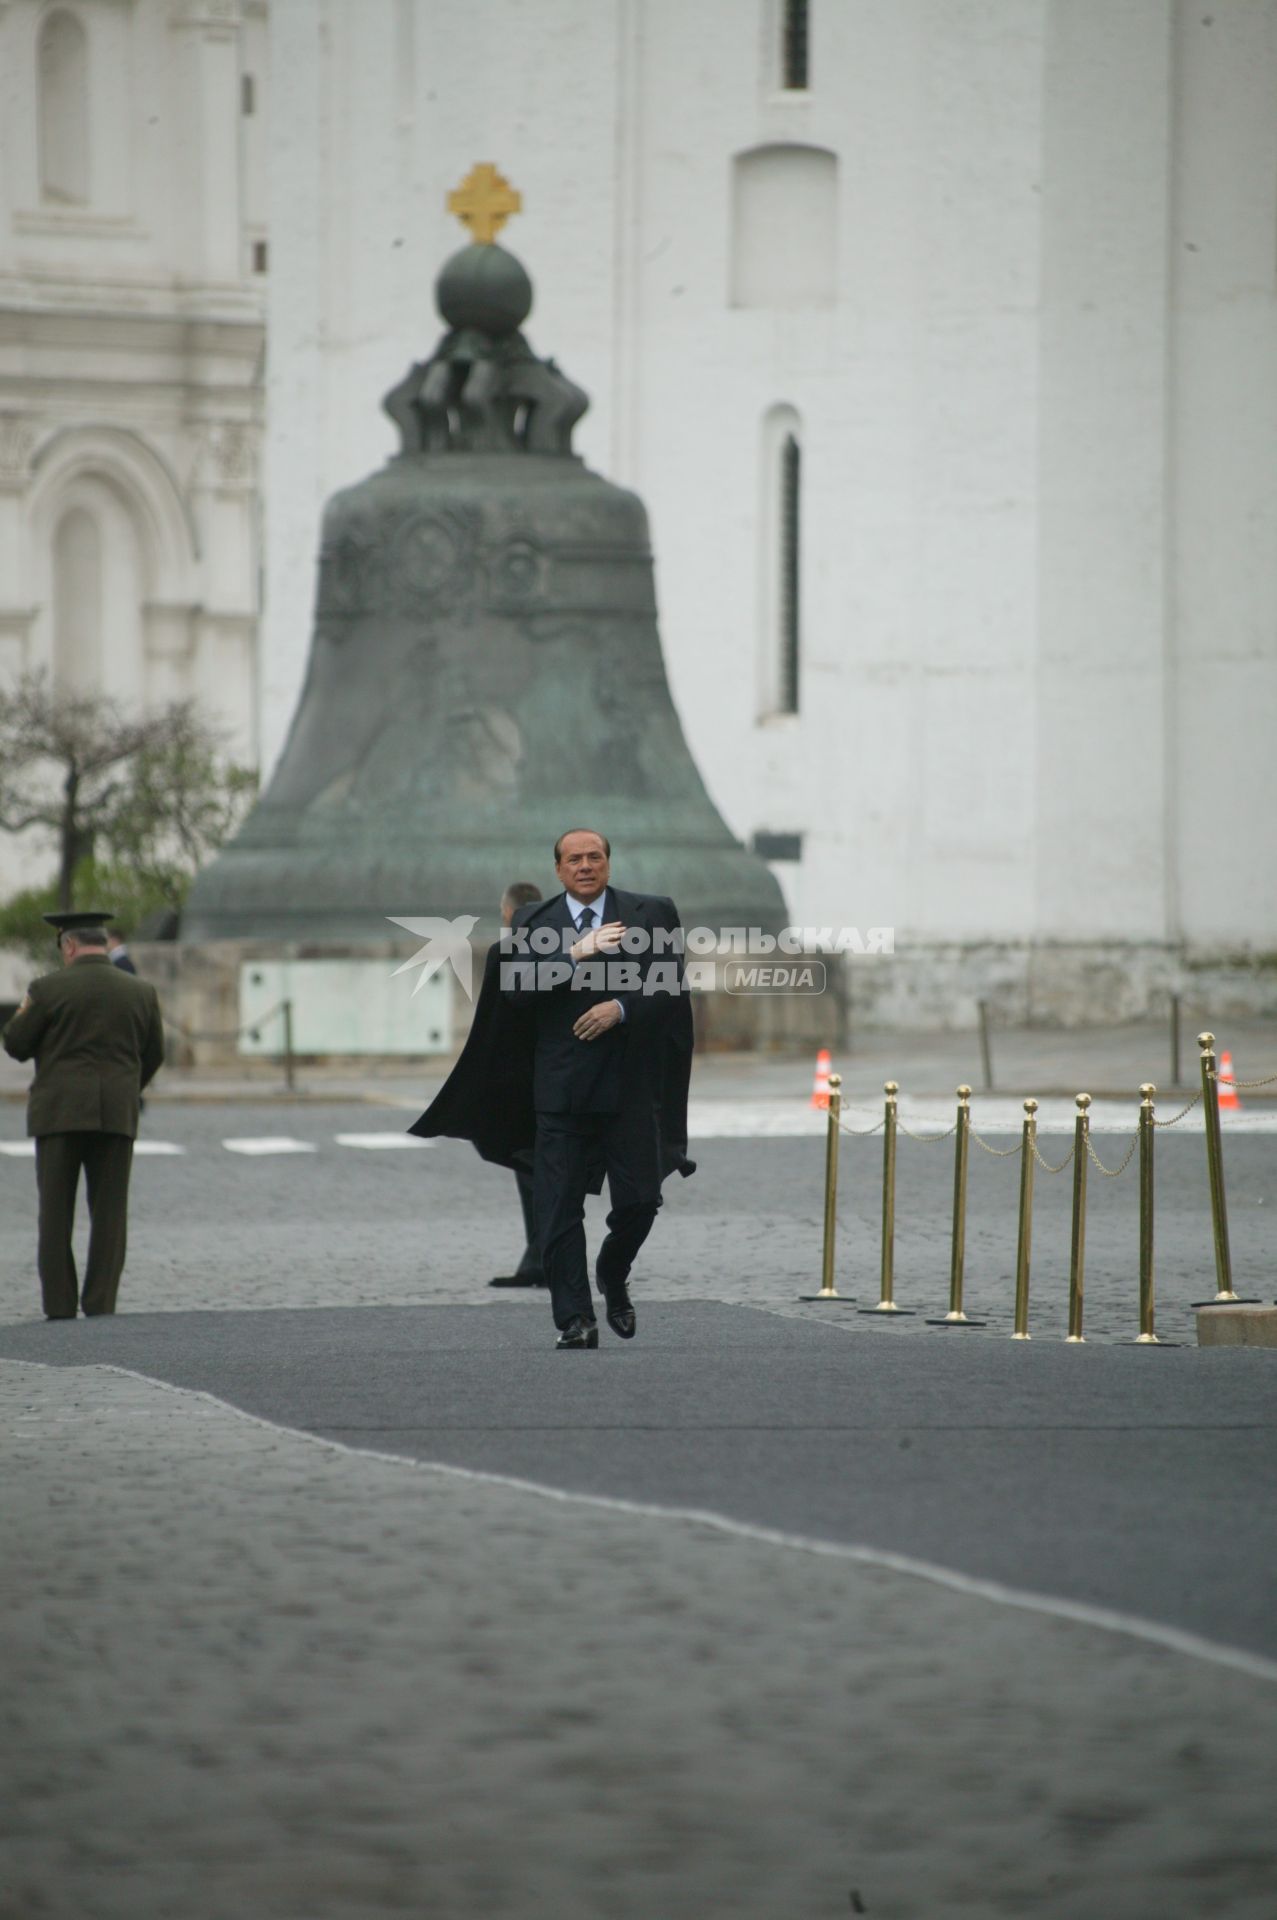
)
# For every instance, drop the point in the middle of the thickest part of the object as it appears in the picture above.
(446, 940)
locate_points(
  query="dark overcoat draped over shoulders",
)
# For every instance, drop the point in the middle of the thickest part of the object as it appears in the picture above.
(487, 1098)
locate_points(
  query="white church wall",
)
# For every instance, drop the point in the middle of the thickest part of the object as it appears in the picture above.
(1223, 508)
(1102, 855)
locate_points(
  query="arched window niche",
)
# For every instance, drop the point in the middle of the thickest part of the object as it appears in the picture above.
(784, 250)
(62, 62)
(77, 603)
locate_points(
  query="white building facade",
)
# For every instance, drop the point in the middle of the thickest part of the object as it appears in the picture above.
(943, 350)
(939, 337)
(132, 296)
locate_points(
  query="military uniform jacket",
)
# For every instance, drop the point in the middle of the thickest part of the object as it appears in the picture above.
(97, 1038)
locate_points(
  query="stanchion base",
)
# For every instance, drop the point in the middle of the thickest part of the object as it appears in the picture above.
(888, 1310)
(1021, 1336)
(1149, 1340)
(829, 1299)
(1075, 1339)
(1228, 1300)
(958, 1326)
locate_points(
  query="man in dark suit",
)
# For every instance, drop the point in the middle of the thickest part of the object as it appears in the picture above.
(599, 1032)
(588, 1077)
(97, 1038)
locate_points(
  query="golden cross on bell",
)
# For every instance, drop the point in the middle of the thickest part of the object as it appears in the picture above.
(484, 202)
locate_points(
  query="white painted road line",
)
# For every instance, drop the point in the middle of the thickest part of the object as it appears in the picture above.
(381, 1140)
(270, 1143)
(20, 1149)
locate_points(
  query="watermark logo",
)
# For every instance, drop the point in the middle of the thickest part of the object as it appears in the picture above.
(803, 977)
(447, 941)
(543, 957)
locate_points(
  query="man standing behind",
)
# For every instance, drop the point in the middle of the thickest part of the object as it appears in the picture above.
(97, 1038)
(528, 1273)
(118, 951)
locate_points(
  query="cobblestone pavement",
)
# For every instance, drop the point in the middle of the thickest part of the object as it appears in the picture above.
(261, 1676)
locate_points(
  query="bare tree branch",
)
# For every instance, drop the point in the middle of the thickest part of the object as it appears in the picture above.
(151, 788)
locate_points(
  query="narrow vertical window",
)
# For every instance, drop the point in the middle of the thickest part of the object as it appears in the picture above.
(63, 62)
(790, 609)
(793, 46)
(247, 94)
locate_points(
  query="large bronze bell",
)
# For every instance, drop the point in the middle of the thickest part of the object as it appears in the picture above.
(485, 671)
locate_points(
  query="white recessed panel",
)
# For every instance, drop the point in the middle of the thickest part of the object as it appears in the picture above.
(343, 1007)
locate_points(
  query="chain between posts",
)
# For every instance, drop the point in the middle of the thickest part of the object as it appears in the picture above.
(1176, 1118)
(1244, 1086)
(1044, 1164)
(927, 1139)
(1112, 1173)
(999, 1153)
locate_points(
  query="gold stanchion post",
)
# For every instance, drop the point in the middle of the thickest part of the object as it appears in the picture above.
(887, 1283)
(1024, 1240)
(1146, 1336)
(1224, 1294)
(828, 1291)
(1077, 1255)
(957, 1256)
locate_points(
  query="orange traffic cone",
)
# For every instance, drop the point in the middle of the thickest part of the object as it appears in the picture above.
(1227, 1091)
(820, 1092)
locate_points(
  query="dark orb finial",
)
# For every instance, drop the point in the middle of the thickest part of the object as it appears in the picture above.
(484, 287)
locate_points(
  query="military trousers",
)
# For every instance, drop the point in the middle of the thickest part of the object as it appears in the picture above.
(107, 1160)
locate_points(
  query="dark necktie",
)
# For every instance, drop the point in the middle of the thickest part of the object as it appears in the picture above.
(586, 921)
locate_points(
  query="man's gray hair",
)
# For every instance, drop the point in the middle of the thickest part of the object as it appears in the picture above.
(558, 845)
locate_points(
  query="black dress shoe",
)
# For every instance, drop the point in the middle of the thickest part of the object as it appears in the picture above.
(578, 1333)
(620, 1308)
(530, 1278)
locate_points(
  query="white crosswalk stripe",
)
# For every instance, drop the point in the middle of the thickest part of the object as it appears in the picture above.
(381, 1140)
(269, 1143)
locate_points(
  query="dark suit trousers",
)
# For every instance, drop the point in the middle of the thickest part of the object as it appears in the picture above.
(530, 1264)
(566, 1144)
(107, 1159)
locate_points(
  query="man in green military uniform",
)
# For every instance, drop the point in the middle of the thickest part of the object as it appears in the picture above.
(96, 1036)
